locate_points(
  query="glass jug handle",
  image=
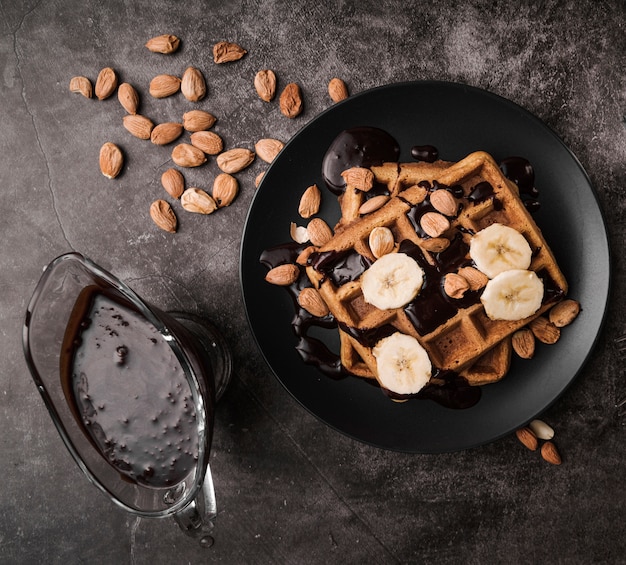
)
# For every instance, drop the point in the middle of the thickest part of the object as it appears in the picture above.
(197, 519)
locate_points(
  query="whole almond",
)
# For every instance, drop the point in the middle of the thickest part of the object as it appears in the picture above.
(455, 286)
(373, 204)
(198, 201)
(523, 342)
(106, 83)
(337, 90)
(226, 51)
(564, 313)
(443, 201)
(435, 244)
(163, 216)
(550, 453)
(381, 241)
(360, 178)
(165, 133)
(128, 97)
(265, 84)
(186, 155)
(283, 275)
(527, 437)
(268, 148)
(198, 120)
(235, 160)
(193, 85)
(173, 182)
(207, 141)
(474, 277)
(138, 125)
(258, 179)
(111, 160)
(544, 330)
(434, 224)
(311, 300)
(165, 44)
(319, 232)
(81, 85)
(541, 429)
(310, 201)
(225, 189)
(164, 85)
(290, 101)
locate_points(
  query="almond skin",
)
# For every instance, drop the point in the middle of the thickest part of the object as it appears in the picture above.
(207, 141)
(290, 101)
(81, 85)
(163, 216)
(198, 120)
(225, 189)
(283, 275)
(111, 160)
(226, 52)
(311, 300)
(138, 125)
(106, 83)
(193, 85)
(166, 132)
(235, 160)
(265, 84)
(162, 86)
(527, 437)
(186, 155)
(128, 97)
(173, 182)
(337, 90)
(165, 44)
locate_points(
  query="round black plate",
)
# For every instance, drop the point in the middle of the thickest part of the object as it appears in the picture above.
(457, 119)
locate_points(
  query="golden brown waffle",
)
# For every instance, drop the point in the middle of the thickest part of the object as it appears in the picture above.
(468, 342)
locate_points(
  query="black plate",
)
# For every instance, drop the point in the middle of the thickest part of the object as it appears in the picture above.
(457, 119)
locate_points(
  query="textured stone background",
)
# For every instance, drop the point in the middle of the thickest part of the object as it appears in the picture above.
(290, 490)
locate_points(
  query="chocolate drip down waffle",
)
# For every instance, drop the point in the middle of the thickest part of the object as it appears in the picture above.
(433, 210)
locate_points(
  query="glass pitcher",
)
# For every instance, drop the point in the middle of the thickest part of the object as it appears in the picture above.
(130, 389)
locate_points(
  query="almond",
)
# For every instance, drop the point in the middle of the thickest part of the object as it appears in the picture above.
(541, 429)
(198, 120)
(381, 241)
(303, 258)
(165, 44)
(193, 85)
(225, 189)
(258, 179)
(310, 202)
(298, 233)
(474, 277)
(290, 101)
(311, 300)
(226, 51)
(162, 86)
(235, 160)
(173, 182)
(550, 453)
(523, 342)
(337, 90)
(435, 244)
(564, 313)
(138, 125)
(265, 84)
(163, 216)
(434, 224)
(319, 232)
(544, 330)
(111, 160)
(373, 204)
(527, 437)
(207, 141)
(455, 286)
(81, 85)
(128, 97)
(166, 132)
(443, 201)
(359, 177)
(106, 83)
(198, 201)
(267, 149)
(283, 275)
(186, 155)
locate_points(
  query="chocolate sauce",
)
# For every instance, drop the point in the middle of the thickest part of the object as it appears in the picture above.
(426, 153)
(340, 267)
(357, 147)
(521, 172)
(128, 391)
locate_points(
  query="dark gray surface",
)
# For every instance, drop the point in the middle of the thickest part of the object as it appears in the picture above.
(290, 490)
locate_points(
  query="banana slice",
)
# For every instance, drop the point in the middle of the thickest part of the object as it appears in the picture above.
(512, 295)
(392, 281)
(499, 248)
(402, 364)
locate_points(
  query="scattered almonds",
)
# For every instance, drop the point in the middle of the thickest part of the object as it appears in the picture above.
(564, 313)
(106, 83)
(225, 52)
(111, 160)
(541, 429)
(162, 86)
(337, 90)
(527, 438)
(163, 216)
(164, 44)
(81, 85)
(550, 453)
(166, 132)
(290, 101)
(523, 342)
(310, 202)
(544, 330)
(173, 182)
(265, 84)
(198, 201)
(225, 189)
(198, 120)
(319, 232)
(186, 155)
(193, 85)
(443, 201)
(283, 275)
(267, 149)
(138, 125)
(235, 160)
(207, 141)
(128, 97)
(434, 224)
(311, 300)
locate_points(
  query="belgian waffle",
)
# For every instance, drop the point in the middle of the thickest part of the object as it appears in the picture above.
(467, 341)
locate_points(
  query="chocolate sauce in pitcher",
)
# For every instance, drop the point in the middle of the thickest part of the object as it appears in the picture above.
(128, 391)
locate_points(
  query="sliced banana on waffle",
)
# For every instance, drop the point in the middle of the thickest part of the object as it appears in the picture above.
(402, 364)
(499, 248)
(512, 295)
(392, 281)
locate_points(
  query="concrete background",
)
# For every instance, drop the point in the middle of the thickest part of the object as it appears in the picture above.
(291, 490)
